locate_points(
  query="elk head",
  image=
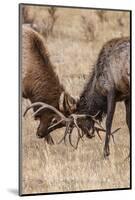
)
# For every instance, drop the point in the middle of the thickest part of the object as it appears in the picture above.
(49, 117)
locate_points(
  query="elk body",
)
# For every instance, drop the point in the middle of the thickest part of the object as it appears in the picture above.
(109, 83)
(40, 83)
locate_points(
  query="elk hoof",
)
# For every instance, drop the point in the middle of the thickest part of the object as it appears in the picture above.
(106, 152)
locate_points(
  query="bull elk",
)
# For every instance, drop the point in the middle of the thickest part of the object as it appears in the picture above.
(109, 84)
(40, 82)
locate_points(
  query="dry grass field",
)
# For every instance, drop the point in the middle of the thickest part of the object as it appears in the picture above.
(73, 44)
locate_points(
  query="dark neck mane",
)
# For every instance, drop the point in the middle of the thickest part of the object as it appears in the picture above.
(92, 102)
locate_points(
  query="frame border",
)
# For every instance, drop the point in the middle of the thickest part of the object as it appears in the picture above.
(20, 101)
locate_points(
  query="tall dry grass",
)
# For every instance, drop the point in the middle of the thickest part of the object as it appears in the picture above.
(74, 45)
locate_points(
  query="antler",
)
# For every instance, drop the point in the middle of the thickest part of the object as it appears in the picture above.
(69, 128)
(44, 106)
(103, 130)
(97, 131)
(65, 134)
(95, 120)
(70, 122)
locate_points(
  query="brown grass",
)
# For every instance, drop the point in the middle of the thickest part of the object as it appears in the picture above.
(60, 168)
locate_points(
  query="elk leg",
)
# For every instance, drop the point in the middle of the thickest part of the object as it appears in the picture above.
(110, 112)
(127, 105)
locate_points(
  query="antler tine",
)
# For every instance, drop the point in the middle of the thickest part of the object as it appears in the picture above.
(112, 134)
(75, 117)
(93, 116)
(115, 131)
(70, 140)
(77, 142)
(33, 105)
(69, 129)
(98, 123)
(102, 129)
(52, 126)
(43, 106)
(113, 138)
(76, 125)
(97, 131)
(65, 134)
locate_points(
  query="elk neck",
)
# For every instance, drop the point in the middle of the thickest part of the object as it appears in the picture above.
(91, 102)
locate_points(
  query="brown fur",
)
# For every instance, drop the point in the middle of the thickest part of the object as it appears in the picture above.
(40, 82)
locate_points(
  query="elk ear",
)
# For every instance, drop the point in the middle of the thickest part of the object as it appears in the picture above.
(69, 103)
(61, 102)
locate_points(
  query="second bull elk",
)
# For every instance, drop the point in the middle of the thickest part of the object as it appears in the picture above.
(40, 82)
(109, 84)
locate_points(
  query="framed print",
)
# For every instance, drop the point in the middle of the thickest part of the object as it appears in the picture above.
(75, 99)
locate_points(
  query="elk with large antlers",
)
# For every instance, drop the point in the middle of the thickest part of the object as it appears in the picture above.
(40, 82)
(109, 83)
